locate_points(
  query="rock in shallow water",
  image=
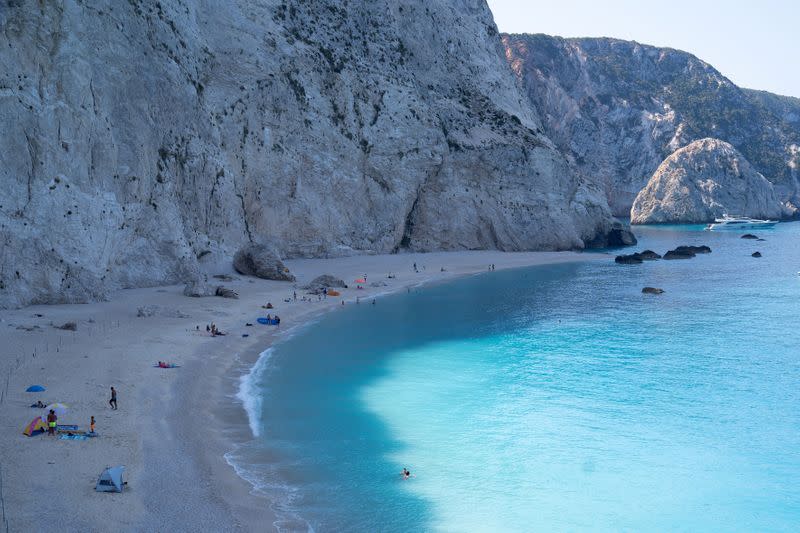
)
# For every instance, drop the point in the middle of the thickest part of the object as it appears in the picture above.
(652, 290)
(675, 254)
(702, 249)
(756, 254)
(649, 255)
(631, 259)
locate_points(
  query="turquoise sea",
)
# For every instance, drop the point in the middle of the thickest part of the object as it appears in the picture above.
(554, 398)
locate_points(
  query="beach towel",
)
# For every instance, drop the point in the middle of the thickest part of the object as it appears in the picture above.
(72, 437)
(67, 427)
(171, 365)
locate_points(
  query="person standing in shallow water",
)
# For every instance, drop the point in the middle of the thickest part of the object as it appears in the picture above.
(113, 401)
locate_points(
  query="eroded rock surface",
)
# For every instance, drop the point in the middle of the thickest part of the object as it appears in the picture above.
(261, 261)
(143, 140)
(618, 108)
(703, 181)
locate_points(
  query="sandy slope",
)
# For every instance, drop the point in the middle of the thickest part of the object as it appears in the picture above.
(173, 426)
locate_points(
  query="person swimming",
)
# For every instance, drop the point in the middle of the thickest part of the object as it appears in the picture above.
(406, 473)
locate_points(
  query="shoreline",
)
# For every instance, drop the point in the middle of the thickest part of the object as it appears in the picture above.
(175, 427)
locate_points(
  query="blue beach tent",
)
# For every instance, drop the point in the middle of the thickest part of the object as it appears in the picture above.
(35, 388)
(111, 480)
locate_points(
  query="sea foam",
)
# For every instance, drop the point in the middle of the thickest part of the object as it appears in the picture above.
(249, 393)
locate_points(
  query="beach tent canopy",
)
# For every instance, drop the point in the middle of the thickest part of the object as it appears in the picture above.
(35, 388)
(111, 480)
(59, 408)
(34, 427)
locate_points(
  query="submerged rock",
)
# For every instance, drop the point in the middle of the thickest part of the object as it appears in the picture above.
(262, 262)
(756, 254)
(703, 181)
(652, 290)
(749, 236)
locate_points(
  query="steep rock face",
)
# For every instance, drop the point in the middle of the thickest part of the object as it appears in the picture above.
(702, 181)
(617, 109)
(145, 140)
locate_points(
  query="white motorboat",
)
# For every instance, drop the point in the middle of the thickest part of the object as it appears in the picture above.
(734, 223)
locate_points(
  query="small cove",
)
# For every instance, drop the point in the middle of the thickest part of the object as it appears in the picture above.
(554, 397)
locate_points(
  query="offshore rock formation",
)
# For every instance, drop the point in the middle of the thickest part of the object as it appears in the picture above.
(701, 182)
(617, 109)
(146, 141)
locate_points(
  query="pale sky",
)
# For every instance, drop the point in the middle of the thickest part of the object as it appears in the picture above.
(756, 44)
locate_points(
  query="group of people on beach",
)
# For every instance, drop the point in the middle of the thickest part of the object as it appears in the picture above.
(212, 329)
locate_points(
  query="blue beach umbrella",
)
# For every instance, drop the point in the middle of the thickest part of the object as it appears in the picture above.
(35, 388)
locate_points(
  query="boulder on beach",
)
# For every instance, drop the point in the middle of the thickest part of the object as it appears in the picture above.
(325, 281)
(702, 181)
(198, 288)
(756, 254)
(652, 290)
(69, 326)
(262, 262)
(225, 292)
(631, 259)
(749, 236)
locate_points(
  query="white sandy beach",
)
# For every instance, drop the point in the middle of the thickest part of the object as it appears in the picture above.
(173, 426)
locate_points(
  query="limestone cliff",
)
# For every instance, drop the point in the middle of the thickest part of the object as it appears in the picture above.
(702, 181)
(617, 109)
(144, 140)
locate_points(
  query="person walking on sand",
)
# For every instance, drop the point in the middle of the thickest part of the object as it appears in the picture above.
(52, 421)
(113, 401)
(91, 425)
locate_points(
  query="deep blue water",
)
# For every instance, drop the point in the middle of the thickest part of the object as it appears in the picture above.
(548, 398)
